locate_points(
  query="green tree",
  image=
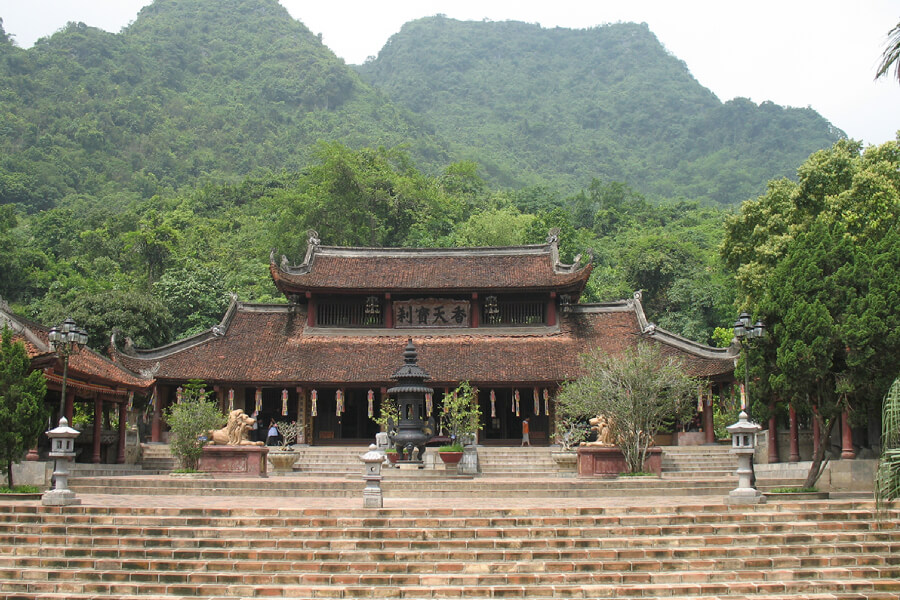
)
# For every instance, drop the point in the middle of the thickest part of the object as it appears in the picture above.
(637, 390)
(462, 413)
(891, 55)
(887, 480)
(190, 422)
(22, 412)
(818, 260)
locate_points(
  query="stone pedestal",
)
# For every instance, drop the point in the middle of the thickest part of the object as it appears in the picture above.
(745, 493)
(239, 461)
(608, 461)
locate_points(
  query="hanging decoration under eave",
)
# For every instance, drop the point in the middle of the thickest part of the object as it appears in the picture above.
(179, 393)
(284, 399)
(230, 399)
(546, 402)
(371, 398)
(339, 402)
(258, 399)
(130, 404)
(493, 404)
(537, 403)
(429, 403)
(743, 398)
(313, 401)
(516, 403)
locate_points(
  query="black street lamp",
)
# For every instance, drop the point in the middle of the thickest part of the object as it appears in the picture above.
(64, 340)
(744, 332)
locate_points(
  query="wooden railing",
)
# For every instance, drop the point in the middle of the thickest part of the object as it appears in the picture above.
(516, 313)
(346, 314)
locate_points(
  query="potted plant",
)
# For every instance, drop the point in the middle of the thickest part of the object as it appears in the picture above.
(284, 458)
(461, 419)
(392, 455)
(190, 422)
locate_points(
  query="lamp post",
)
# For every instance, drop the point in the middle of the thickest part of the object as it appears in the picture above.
(64, 340)
(744, 332)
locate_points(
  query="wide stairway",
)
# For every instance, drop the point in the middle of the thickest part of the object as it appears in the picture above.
(811, 550)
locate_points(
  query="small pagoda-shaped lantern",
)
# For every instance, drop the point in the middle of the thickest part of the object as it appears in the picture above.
(743, 443)
(62, 448)
(412, 431)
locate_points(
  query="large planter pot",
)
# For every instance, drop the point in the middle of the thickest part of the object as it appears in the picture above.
(451, 458)
(283, 462)
(393, 457)
(566, 460)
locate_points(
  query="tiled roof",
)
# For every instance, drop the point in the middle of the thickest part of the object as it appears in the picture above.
(429, 269)
(270, 344)
(84, 364)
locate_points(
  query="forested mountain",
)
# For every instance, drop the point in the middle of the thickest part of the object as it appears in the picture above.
(193, 90)
(560, 106)
(145, 175)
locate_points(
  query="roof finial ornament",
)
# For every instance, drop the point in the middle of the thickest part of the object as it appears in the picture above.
(285, 265)
(553, 235)
(313, 237)
(638, 295)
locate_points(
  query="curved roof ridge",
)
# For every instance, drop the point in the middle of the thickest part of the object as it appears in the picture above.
(183, 344)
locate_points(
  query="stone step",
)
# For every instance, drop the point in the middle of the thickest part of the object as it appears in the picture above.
(787, 550)
(409, 484)
(201, 585)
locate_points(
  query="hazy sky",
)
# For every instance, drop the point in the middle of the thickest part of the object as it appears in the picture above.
(820, 53)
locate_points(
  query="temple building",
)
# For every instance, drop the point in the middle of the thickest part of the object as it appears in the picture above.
(105, 389)
(506, 319)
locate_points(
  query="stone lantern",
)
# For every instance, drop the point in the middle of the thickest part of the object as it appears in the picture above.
(743, 443)
(62, 448)
(412, 431)
(372, 497)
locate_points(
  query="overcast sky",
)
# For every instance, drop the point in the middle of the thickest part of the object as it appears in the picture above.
(820, 53)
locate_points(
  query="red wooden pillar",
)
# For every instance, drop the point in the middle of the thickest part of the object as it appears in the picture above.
(846, 437)
(310, 310)
(156, 423)
(708, 427)
(70, 406)
(474, 311)
(98, 428)
(773, 435)
(123, 422)
(817, 432)
(795, 436)
(389, 311)
(551, 310)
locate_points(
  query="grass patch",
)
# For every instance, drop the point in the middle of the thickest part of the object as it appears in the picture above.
(186, 471)
(20, 489)
(793, 490)
(638, 474)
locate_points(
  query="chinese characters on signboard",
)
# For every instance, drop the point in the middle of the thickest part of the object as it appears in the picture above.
(433, 312)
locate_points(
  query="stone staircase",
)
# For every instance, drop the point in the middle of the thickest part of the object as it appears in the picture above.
(508, 461)
(694, 461)
(157, 457)
(792, 550)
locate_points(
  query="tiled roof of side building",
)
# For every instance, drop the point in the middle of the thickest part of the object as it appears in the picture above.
(83, 363)
(272, 344)
(404, 270)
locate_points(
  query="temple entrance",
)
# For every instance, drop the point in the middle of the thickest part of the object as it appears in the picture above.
(503, 426)
(352, 425)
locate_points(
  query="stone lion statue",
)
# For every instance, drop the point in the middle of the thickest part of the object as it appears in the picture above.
(602, 426)
(235, 431)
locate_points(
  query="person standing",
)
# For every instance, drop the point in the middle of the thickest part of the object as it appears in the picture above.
(272, 438)
(525, 440)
